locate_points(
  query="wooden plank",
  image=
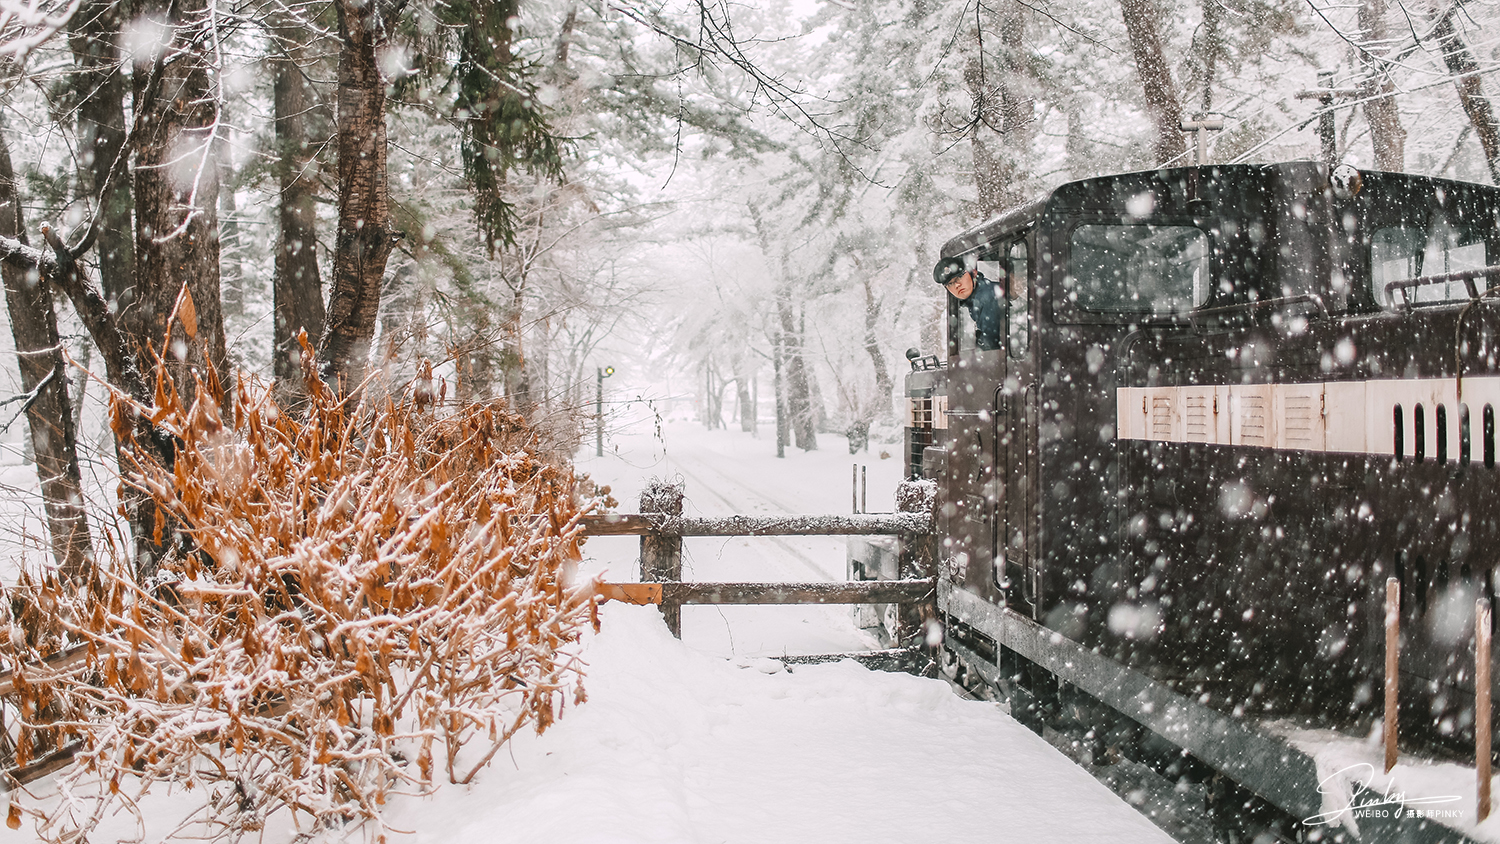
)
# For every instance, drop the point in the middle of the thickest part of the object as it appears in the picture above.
(49, 764)
(630, 593)
(60, 661)
(617, 524)
(865, 524)
(853, 592)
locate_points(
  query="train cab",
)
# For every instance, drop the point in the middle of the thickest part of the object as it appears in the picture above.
(1230, 403)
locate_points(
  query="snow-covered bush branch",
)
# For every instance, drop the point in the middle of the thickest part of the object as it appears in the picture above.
(355, 595)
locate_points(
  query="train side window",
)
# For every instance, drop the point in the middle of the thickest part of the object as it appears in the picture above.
(1020, 311)
(1415, 263)
(1440, 432)
(1489, 436)
(1464, 436)
(1419, 433)
(1399, 422)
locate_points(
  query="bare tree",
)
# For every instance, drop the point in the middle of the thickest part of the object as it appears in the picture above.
(176, 202)
(1465, 68)
(297, 288)
(33, 325)
(1386, 133)
(1156, 79)
(364, 239)
(101, 83)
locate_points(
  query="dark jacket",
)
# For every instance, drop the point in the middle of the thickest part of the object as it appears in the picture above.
(987, 307)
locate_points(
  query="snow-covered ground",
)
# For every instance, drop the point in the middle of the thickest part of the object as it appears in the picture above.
(703, 740)
(709, 739)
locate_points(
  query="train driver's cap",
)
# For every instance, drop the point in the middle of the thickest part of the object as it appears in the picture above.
(947, 270)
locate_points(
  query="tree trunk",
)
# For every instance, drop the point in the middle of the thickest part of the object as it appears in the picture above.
(474, 362)
(297, 288)
(232, 245)
(991, 174)
(1003, 111)
(1016, 104)
(1465, 69)
(1386, 134)
(778, 384)
(799, 393)
(1156, 81)
(884, 386)
(744, 401)
(1208, 49)
(33, 324)
(101, 83)
(513, 352)
(364, 240)
(176, 205)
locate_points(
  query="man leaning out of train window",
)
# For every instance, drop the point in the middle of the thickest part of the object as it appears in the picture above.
(984, 299)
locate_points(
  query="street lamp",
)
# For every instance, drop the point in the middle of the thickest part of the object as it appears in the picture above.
(602, 373)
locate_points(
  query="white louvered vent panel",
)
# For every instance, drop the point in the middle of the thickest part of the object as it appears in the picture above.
(1254, 417)
(1302, 424)
(1197, 409)
(1161, 417)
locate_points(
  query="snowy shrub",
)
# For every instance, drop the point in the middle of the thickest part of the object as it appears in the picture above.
(361, 601)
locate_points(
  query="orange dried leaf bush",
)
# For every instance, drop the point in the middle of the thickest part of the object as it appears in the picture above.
(359, 601)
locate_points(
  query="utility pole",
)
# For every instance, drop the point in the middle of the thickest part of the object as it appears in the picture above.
(601, 373)
(1201, 125)
(1327, 97)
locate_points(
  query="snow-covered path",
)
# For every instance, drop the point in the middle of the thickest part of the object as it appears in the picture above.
(681, 747)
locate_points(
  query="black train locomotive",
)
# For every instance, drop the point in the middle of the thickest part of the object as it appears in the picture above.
(1232, 401)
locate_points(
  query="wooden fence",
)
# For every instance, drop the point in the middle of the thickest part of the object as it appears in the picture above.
(662, 527)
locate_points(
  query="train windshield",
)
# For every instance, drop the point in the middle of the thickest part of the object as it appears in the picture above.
(1155, 269)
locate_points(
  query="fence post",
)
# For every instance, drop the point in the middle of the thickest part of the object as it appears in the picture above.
(661, 556)
(1482, 705)
(918, 560)
(1392, 667)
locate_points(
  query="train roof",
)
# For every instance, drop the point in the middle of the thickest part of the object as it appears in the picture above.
(1022, 215)
(1018, 217)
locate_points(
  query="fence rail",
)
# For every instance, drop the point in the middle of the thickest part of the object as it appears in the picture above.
(851, 592)
(662, 527)
(864, 524)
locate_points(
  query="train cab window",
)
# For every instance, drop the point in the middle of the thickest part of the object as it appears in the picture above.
(1138, 268)
(963, 336)
(1019, 279)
